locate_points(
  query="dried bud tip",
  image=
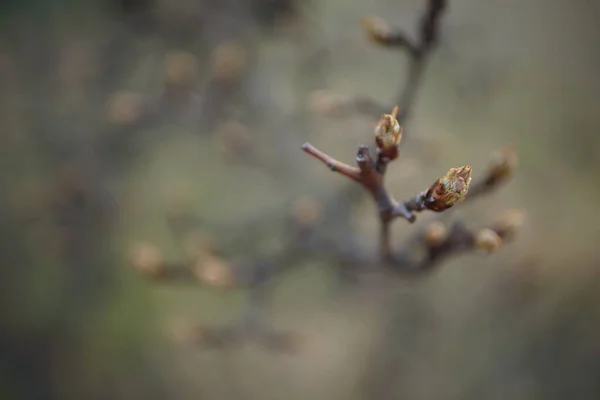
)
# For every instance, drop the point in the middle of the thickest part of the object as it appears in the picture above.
(147, 260)
(488, 241)
(388, 133)
(435, 233)
(462, 173)
(503, 163)
(449, 190)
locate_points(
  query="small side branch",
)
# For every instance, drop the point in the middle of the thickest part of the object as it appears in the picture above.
(331, 163)
(437, 242)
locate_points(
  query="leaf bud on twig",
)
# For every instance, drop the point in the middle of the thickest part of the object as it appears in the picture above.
(449, 190)
(388, 133)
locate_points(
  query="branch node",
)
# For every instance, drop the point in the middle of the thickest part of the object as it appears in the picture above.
(401, 210)
(364, 159)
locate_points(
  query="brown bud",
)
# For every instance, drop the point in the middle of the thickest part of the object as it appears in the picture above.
(147, 260)
(435, 234)
(214, 271)
(449, 190)
(509, 222)
(503, 164)
(487, 240)
(376, 29)
(388, 133)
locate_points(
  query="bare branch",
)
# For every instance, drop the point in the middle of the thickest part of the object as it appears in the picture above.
(333, 164)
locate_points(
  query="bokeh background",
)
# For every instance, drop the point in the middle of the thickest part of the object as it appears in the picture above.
(115, 113)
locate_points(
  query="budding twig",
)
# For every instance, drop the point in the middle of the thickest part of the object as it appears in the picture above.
(443, 194)
(440, 241)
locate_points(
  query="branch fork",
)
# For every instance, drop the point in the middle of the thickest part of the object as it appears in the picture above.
(369, 172)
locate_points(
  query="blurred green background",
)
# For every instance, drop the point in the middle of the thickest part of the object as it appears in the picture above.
(101, 137)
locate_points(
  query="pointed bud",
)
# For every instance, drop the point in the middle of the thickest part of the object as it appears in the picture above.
(388, 133)
(449, 190)
(488, 241)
